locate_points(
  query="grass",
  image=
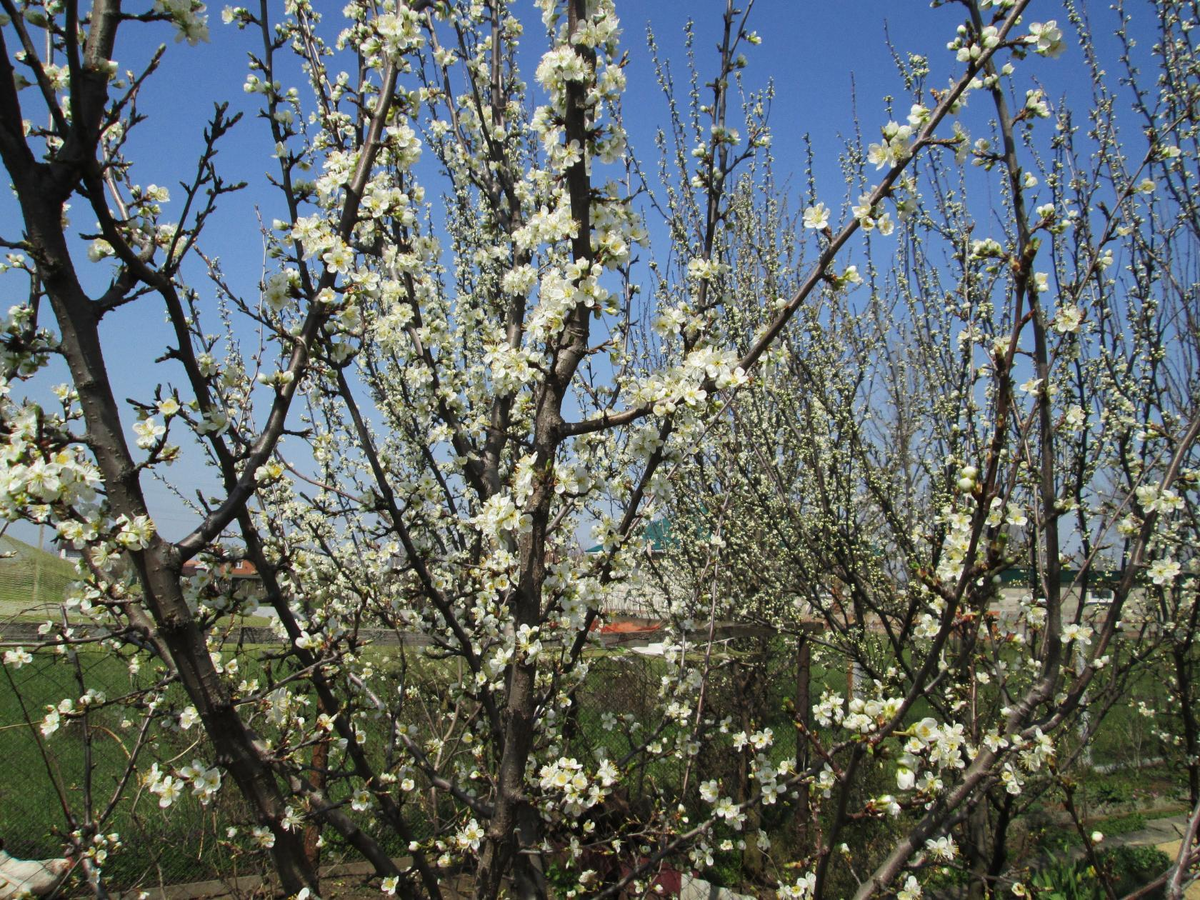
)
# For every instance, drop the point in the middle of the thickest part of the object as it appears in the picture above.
(33, 584)
(1126, 824)
(1126, 868)
(178, 847)
(31, 580)
(186, 843)
(189, 843)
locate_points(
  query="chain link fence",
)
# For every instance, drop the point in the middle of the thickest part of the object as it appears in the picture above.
(82, 776)
(627, 712)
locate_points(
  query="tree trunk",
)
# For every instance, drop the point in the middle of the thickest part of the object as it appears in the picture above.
(977, 851)
(803, 728)
(1191, 729)
(505, 839)
(157, 564)
(312, 831)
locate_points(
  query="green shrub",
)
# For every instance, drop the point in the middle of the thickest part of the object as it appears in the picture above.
(1123, 824)
(1130, 868)
(1127, 868)
(1065, 880)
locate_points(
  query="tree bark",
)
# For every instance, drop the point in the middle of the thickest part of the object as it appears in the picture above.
(157, 565)
(1191, 729)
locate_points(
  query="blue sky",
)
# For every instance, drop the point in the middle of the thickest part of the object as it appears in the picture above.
(823, 56)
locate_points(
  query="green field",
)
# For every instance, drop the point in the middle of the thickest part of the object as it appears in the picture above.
(158, 847)
(189, 843)
(32, 582)
(186, 843)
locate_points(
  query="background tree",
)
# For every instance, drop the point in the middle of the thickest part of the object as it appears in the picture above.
(1012, 389)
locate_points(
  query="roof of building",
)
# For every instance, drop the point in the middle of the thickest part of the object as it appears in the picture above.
(657, 533)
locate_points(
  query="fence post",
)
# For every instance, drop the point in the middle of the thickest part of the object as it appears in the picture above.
(803, 717)
(803, 698)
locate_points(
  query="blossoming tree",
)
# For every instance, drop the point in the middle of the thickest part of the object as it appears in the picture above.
(1012, 389)
(439, 398)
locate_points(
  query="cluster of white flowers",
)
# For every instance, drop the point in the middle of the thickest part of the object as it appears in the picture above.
(866, 715)
(205, 781)
(969, 48)
(1153, 499)
(957, 541)
(53, 717)
(189, 17)
(500, 514)
(169, 788)
(936, 746)
(800, 889)
(870, 217)
(570, 788)
(511, 368)
(467, 375)
(1036, 104)
(684, 385)
(398, 33)
(986, 248)
(895, 147)
(548, 225)
(17, 657)
(768, 776)
(65, 479)
(1046, 37)
(100, 845)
